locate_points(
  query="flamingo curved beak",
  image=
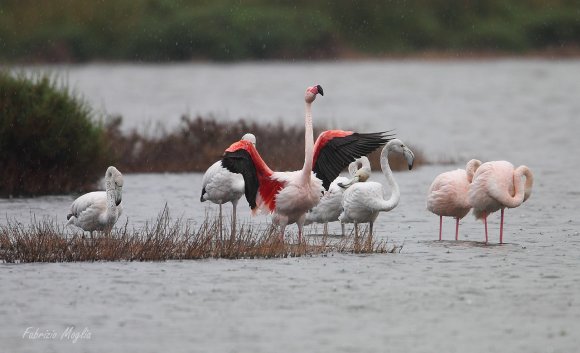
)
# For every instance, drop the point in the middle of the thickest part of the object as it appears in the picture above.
(354, 180)
(409, 156)
(319, 88)
(118, 196)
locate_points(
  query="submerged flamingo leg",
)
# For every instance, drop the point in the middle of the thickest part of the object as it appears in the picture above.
(456, 229)
(440, 226)
(501, 228)
(485, 222)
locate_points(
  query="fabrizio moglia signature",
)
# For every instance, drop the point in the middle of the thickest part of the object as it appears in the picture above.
(71, 333)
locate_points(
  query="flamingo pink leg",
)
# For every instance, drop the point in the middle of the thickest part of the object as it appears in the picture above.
(456, 229)
(440, 226)
(501, 228)
(485, 222)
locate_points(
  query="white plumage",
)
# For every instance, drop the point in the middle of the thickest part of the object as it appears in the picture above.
(220, 186)
(99, 210)
(330, 205)
(362, 202)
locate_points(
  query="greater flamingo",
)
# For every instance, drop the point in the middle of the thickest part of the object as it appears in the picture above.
(220, 186)
(99, 210)
(497, 185)
(330, 205)
(289, 195)
(447, 195)
(362, 202)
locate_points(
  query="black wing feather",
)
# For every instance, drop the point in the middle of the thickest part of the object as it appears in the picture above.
(339, 152)
(240, 162)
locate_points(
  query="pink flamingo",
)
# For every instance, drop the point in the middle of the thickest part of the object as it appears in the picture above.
(447, 195)
(497, 185)
(289, 195)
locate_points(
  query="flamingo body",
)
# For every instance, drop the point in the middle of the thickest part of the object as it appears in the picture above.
(497, 185)
(362, 202)
(447, 196)
(220, 186)
(99, 210)
(330, 205)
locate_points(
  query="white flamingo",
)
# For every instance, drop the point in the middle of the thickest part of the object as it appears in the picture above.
(99, 210)
(497, 185)
(362, 202)
(289, 195)
(330, 205)
(447, 195)
(220, 186)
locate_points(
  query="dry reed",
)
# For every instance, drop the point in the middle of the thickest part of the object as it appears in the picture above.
(165, 239)
(198, 142)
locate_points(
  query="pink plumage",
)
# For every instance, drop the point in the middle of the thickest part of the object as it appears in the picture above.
(497, 185)
(447, 196)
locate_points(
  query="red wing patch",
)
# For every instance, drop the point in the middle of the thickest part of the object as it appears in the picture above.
(268, 188)
(323, 139)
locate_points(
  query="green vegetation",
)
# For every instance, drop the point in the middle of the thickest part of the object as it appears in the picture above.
(169, 30)
(48, 141)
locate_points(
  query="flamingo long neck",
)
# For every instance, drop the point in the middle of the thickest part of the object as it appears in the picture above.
(393, 201)
(529, 180)
(470, 169)
(308, 144)
(110, 190)
(521, 187)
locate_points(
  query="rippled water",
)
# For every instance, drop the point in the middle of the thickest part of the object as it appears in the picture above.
(433, 296)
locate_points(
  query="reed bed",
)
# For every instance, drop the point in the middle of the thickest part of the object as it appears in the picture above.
(171, 151)
(164, 239)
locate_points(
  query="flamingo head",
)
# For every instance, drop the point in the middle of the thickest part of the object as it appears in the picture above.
(398, 146)
(311, 93)
(114, 183)
(361, 175)
(250, 137)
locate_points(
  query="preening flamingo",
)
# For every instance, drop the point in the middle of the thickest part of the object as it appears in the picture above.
(497, 185)
(330, 205)
(99, 210)
(447, 195)
(362, 202)
(289, 195)
(220, 186)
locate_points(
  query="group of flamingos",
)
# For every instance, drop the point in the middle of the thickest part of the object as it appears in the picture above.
(317, 194)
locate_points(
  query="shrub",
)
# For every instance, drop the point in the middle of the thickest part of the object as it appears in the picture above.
(48, 140)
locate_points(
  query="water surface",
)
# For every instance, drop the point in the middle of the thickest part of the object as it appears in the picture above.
(433, 296)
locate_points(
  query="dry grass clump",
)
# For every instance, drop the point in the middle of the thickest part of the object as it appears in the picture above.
(164, 239)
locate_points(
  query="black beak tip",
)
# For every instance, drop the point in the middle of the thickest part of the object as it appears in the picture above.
(319, 88)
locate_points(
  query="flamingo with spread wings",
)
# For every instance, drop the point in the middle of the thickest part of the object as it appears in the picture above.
(289, 195)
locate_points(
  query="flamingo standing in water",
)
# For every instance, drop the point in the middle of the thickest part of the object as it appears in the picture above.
(330, 205)
(362, 202)
(497, 185)
(220, 186)
(289, 195)
(447, 195)
(99, 210)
